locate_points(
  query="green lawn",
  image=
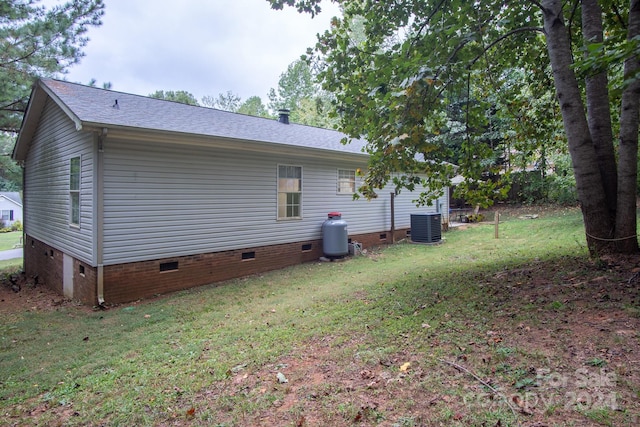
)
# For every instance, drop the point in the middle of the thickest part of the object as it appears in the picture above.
(409, 335)
(10, 240)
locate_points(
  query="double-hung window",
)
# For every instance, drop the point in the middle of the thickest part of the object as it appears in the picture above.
(7, 215)
(346, 181)
(74, 191)
(289, 192)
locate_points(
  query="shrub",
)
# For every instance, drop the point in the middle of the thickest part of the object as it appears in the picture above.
(16, 226)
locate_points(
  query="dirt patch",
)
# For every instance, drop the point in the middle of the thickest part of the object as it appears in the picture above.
(19, 293)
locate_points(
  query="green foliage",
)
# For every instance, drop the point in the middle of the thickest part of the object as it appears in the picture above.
(253, 106)
(562, 183)
(534, 187)
(38, 42)
(424, 82)
(295, 84)
(299, 93)
(528, 187)
(181, 96)
(10, 172)
(418, 81)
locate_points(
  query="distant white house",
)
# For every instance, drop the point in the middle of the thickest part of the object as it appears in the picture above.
(10, 208)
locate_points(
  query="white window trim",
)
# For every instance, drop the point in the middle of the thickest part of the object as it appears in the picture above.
(9, 214)
(285, 218)
(338, 186)
(78, 192)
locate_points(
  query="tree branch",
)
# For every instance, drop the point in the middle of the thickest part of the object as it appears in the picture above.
(502, 37)
(425, 23)
(481, 381)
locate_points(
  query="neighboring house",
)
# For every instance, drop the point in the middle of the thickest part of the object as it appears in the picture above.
(127, 196)
(10, 208)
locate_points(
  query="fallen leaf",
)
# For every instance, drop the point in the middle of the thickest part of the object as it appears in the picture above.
(146, 316)
(191, 412)
(522, 405)
(405, 366)
(518, 401)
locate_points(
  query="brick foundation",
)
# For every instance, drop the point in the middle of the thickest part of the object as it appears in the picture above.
(132, 281)
(45, 263)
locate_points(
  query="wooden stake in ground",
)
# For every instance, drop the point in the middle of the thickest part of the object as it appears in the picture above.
(496, 222)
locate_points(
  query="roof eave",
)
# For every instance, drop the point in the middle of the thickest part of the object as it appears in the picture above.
(37, 101)
(9, 199)
(186, 139)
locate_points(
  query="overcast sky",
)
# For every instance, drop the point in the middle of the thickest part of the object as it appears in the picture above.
(204, 47)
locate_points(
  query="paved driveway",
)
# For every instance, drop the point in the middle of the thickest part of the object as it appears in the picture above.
(10, 254)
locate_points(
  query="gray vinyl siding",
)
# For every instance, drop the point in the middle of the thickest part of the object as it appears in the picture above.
(171, 200)
(46, 187)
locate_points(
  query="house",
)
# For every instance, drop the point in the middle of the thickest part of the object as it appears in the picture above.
(127, 196)
(10, 208)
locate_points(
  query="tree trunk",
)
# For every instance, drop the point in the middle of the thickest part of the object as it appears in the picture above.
(598, 108)
(589, 183)
(627, 240)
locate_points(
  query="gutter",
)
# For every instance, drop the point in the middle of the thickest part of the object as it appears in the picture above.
(186, 139)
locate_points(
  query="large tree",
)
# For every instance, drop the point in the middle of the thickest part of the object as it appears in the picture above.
(299, 92)
(181, 96)
(38, 42)
(10, 172)
(253, 106)
(295, 84)
(232, 102)
(392, 87)
(225, 101)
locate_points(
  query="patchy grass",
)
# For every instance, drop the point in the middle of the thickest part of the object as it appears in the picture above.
(521, 330)
(9, 266)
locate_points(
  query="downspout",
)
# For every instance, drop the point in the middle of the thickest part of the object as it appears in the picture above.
(24, 214)
(393, 217)
(100, 215)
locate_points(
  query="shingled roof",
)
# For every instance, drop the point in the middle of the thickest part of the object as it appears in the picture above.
(91, 107)
(14, 196)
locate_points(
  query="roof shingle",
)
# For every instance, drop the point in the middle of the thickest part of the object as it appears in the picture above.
(97, 106)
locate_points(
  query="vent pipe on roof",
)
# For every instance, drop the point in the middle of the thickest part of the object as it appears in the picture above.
(284, 116)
